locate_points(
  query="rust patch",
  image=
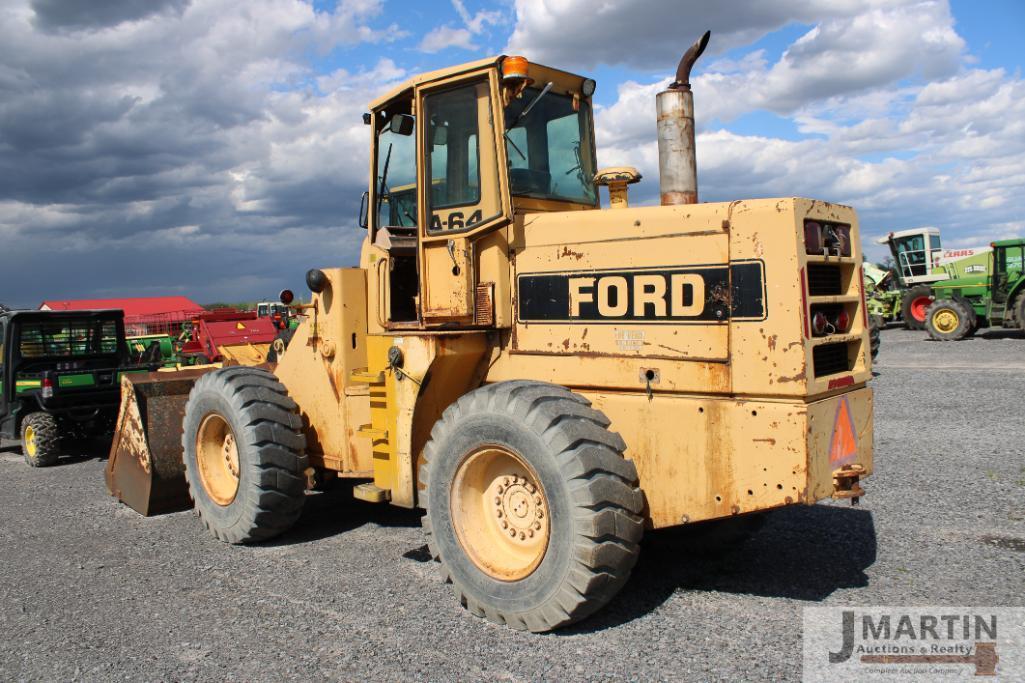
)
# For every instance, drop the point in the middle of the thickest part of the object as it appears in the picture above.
(676, 198)
(569, 253)
(770, 441)
(565, 343)
(796, 378)
(773, 338)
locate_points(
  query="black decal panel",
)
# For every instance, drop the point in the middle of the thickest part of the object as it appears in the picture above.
(650, 295)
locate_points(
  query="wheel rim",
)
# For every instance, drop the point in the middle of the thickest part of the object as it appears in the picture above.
(500, 513)
(217, 456)
(945, 320)
(30, 441)
(918, 307)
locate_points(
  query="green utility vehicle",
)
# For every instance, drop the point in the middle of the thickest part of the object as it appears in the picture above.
(995, 299)
(59, 377)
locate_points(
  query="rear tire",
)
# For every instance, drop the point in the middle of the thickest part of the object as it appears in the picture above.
(875, 326)
(244, 454)
(914, 306)
(948, 320)
(40, 440)
(504, 447)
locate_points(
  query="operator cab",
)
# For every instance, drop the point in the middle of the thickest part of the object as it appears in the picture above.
(916, 252)
(455, 154)
(1008, 267)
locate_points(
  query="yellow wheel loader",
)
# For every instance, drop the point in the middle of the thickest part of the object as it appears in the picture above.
(546, 379)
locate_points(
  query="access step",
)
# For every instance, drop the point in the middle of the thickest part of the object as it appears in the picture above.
(371, 493)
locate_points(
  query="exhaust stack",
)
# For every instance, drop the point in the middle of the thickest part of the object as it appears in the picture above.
(677, 159)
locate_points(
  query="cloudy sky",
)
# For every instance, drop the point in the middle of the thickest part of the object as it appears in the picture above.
(214, 148)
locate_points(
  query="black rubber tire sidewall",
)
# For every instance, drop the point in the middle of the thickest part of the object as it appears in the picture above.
(207, 402)
(545, 581)
(964, 320)
(48, 439)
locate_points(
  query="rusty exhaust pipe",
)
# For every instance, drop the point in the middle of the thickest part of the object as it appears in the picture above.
(677, 159)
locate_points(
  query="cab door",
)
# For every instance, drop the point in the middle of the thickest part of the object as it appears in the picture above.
(462, 191)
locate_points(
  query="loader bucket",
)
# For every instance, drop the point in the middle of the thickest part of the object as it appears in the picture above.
(145, 469)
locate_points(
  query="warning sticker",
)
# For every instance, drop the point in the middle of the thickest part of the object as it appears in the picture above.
(843, 447)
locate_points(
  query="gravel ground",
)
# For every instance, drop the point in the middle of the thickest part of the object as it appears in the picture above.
(91, 591)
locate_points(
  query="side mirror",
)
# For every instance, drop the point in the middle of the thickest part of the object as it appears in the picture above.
(364, 207)
(402, 124)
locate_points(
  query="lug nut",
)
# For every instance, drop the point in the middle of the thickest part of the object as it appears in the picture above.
(498, 514)
(507, 481)
(537, 500)
(498, 500)
(531, 487)
(505, 524)
(512, 533)
(522, 535)
(530, 532)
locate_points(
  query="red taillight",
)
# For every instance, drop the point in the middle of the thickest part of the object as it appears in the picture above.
(819, 323)
(47, 385)
(843, 321)
(830, 239)
(812, 237)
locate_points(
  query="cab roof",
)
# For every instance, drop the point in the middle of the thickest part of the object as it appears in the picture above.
(1013, 242)
(433, 76)
(62, 315)
(440, 74)
(905, 233)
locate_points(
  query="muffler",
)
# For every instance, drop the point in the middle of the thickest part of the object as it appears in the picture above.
(677, 159)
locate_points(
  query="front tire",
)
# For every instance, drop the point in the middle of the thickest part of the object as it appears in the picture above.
(244, 454)
(914, 307)
(532, 510)
(948, 320)
(40, 439)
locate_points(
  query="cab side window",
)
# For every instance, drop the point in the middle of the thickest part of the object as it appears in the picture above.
(461, 157)
(396, 172)
(452, 135)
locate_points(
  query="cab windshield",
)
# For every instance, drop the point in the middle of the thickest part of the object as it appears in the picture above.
(550, 149)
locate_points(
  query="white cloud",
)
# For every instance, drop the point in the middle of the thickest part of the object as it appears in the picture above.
(201, 114)
(653, 34)
(892, 119)
(445, 37)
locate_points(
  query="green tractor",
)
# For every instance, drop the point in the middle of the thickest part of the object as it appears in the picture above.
(59, 378)
(996, 298)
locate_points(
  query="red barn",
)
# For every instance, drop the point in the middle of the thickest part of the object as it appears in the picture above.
(143, 315)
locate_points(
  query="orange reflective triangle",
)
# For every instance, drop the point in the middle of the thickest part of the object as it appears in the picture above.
(844, 444)
(239, 326)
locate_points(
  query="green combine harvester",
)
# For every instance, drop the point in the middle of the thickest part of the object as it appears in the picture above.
(994, 297)
(920, 261)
